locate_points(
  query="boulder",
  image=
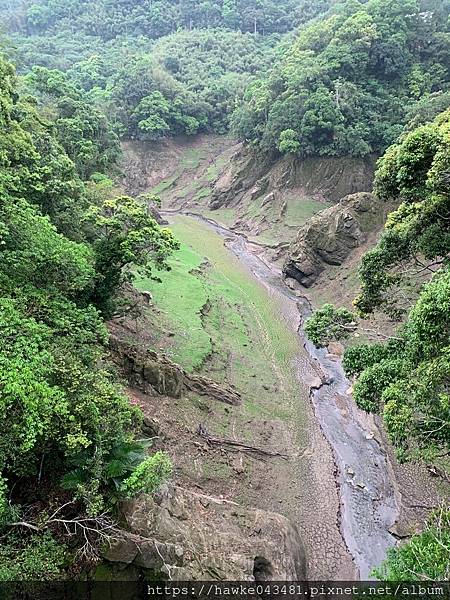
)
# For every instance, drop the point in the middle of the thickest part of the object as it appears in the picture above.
(332, 235)
(196, 537)
(151, 372)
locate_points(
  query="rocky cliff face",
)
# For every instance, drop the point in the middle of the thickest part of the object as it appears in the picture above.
(271, 198)
(184, 535)
(329, 179)
(332, 235)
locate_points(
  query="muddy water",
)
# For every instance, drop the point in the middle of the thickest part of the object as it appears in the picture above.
(369, 505)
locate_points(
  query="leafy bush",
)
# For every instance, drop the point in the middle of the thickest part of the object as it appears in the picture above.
(424, 557)
(370, 385)
(329, 323)
(358, 358)
(148, 476)
(40, 558)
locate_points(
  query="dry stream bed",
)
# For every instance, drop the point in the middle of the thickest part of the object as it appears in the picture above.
(336, 486)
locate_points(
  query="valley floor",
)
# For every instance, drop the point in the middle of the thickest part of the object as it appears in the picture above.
(237, 324)
(227, 325)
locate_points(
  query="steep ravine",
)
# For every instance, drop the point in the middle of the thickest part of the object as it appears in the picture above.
(369, 502)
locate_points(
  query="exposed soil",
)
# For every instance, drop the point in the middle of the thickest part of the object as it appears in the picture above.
(276, 416)
(380, 500)
(341, 486)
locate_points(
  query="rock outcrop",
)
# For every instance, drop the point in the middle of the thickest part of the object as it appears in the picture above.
(150, 372)
(250, 176)
(183, 535)
(329, 237)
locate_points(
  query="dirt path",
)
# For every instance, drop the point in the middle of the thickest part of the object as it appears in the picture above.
(353, 457)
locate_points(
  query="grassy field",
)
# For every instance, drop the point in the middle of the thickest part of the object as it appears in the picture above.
(223, 322)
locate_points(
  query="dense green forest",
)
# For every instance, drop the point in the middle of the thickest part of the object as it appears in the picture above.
(348, 82)
(108, 19)
(67, 447)
(159, 68)
(300, 77)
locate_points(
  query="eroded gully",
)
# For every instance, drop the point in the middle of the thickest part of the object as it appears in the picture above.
(369, 501)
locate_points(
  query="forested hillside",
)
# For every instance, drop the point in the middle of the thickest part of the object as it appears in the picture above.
(407, 377)
(108, 19)
(158, 68)
(348, 82)
(303, 78)
(345, 84)
(67, 447)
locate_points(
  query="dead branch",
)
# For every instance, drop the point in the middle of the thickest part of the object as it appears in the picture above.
(235, 446)
(92, 531)
(437, 472)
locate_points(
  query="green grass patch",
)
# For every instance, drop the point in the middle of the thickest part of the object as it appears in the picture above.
(299, 210)
(181, 297)
(227, 216)
(213, 172)
(165, 184)
(242, 335)
(192, 158)
(202, 194)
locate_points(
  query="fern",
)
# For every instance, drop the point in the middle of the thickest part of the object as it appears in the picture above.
(73, 479)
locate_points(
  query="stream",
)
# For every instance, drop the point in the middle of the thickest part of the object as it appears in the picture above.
(369, 502)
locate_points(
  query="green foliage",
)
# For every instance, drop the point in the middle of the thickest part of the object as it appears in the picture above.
(199, 56)
(289, 143)
(372, 382)
(358, 358)
(108, 19)
(127, 470)
(329, 323)
(348, 81)
(81, 128)
(42, 558)
(424, 557)
(60, 409)
(126, 240)
(26, 238)
(148, 476)
(414, 170)
(407, 379)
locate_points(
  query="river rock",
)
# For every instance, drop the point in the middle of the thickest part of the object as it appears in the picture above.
(336, 348)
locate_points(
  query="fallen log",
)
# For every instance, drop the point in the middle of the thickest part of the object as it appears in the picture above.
(235, 446)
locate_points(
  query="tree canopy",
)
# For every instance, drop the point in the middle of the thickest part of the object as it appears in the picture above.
(154, 19)
(407, 276)
(65, 422)
(406, 379)
(160, 68)
(346, 83)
